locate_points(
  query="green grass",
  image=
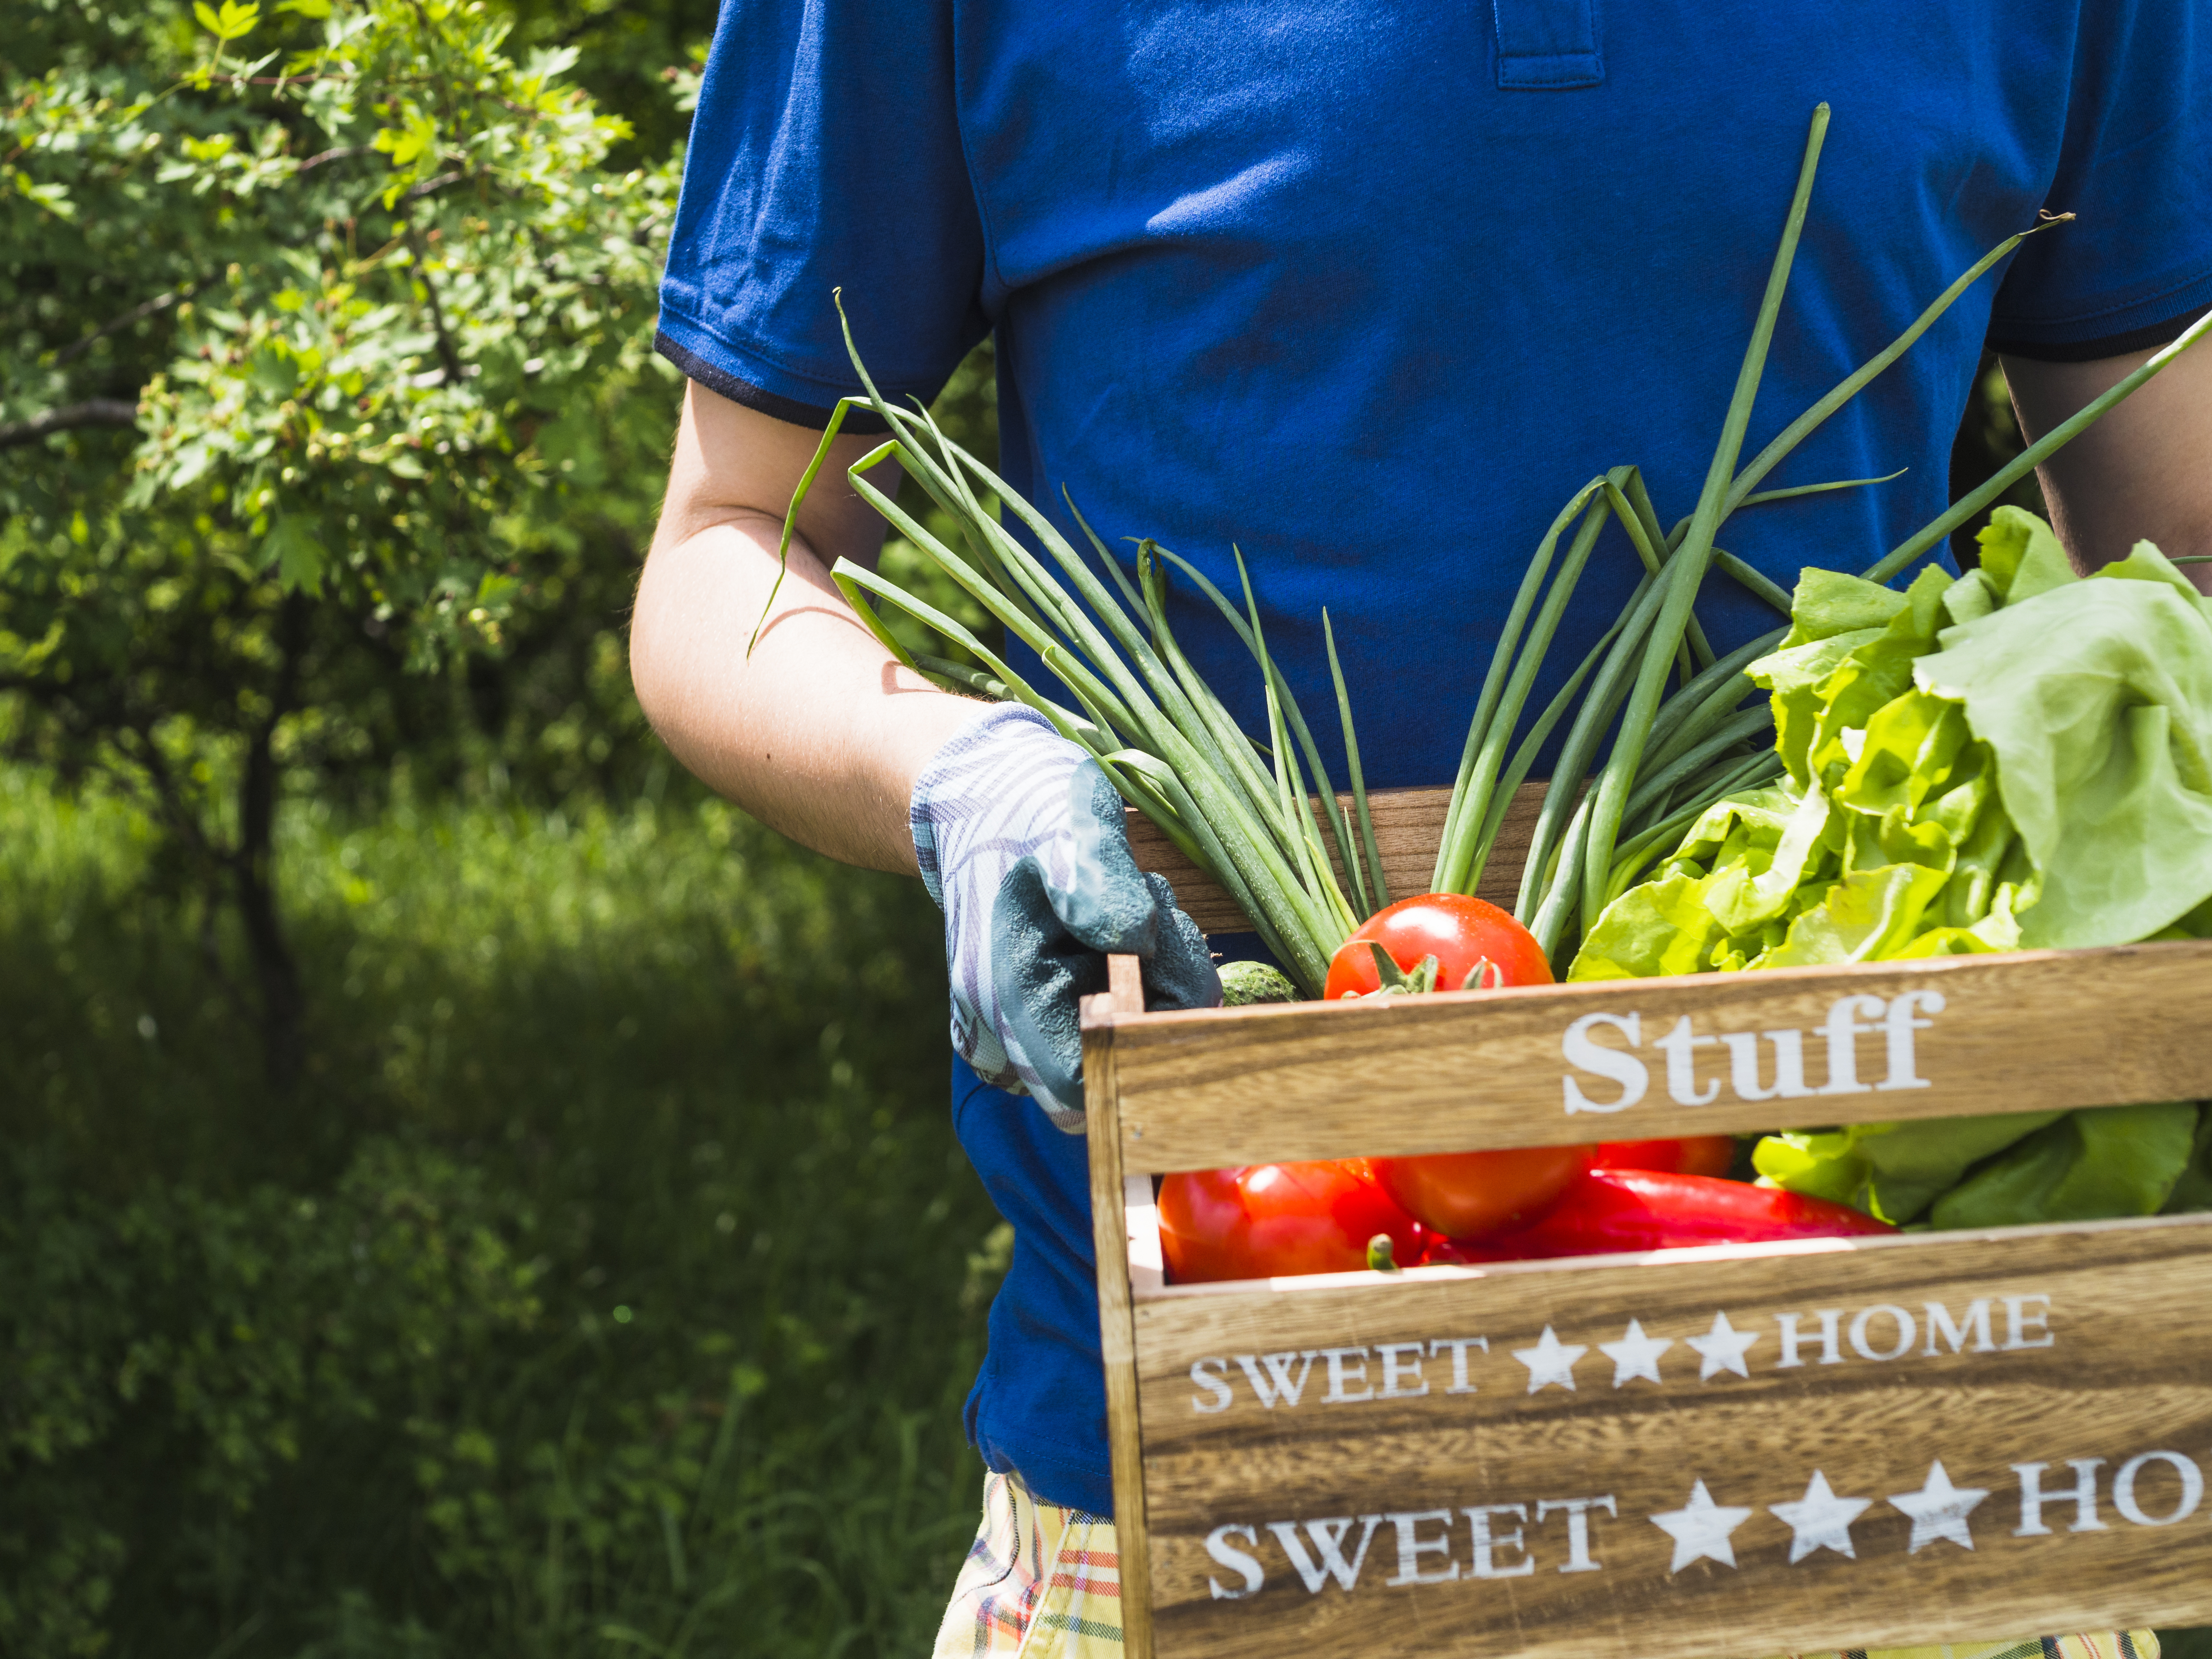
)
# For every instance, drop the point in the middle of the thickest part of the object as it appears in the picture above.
(612, 1285)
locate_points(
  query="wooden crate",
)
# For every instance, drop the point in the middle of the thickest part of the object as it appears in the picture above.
(1695, 1453)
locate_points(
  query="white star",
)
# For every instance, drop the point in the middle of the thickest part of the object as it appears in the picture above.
(1550, 1361)
(1636, 1354)
(1820, 1520)
(1700, 1529)
(1939, 1510)
(1722, 1347)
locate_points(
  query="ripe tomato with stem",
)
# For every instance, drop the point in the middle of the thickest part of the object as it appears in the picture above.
(1474, 945)
(1271, 1220)
(1477, 947)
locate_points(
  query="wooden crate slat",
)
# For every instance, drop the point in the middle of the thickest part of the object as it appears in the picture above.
(2100, 1354)
(1392, 1076)
(1111, 1191)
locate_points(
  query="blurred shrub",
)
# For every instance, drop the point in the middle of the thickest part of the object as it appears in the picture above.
(194, 1352)
(601, 1290)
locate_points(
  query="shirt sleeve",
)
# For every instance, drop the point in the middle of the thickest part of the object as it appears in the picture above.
(825, 155)
(2134, 168)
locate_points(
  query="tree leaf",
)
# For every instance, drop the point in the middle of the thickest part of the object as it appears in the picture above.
(296, 551)
(233, 22)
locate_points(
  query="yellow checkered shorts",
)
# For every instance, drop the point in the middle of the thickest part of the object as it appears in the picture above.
(1045, 1582)
(1042, 1582)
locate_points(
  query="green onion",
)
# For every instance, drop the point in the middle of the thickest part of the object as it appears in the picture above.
(1381, 895)
(1498, 709)
(1687, 570)
(1156, 730)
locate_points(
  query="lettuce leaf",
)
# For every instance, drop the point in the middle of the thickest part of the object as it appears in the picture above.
(2096, 699)
(2042, 743)
(2193, 1191)
(2090, 1164)
(1890, 1170)
(1661, 927)
(2021, 756)
(2021, 556)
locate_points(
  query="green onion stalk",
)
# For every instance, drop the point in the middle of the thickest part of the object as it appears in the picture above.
(1238, 808)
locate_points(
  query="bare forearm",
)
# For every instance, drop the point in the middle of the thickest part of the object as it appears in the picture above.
(819, 732)
(2142, 473)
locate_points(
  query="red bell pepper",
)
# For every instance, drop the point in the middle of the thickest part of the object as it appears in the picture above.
(1610, 1211)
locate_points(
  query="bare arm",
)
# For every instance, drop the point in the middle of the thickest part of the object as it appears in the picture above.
(820, 733)
(2143, 472)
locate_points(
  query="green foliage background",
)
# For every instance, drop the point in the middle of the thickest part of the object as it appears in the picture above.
(597, 1273)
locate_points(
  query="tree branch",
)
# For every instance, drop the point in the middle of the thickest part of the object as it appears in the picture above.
(93, 412)
(430, 186)
(343, 152)
(160, 302)
(449, 356)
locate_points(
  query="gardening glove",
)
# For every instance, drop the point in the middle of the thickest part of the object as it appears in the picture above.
(1022, 844)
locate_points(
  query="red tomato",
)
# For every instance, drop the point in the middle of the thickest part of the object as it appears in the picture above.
(1271, 1220)
(1459, 931)
(1478, 1194)
(1696, 1155)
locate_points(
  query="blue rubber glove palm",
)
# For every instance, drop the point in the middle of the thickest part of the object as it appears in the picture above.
(1021, 843)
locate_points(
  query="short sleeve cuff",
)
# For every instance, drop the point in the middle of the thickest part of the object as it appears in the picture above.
(747, 378)
(2107, 333)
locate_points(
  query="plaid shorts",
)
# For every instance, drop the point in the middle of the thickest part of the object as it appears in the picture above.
(1042, 1582)
(1045, 1582)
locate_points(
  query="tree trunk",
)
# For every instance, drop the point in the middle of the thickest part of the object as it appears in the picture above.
(276, 971)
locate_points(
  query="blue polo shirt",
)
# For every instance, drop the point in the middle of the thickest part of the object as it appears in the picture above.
(1368, 289)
